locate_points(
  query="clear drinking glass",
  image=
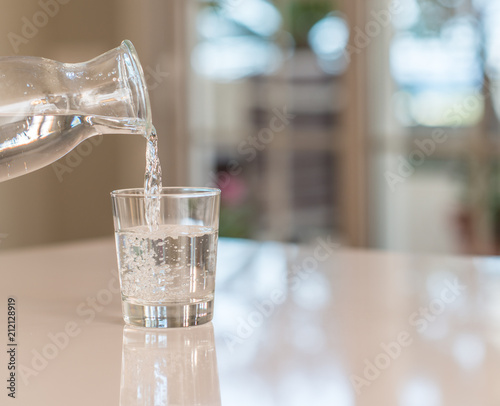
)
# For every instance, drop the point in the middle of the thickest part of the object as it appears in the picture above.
(169, 367)
(167, 272)
(47, 107)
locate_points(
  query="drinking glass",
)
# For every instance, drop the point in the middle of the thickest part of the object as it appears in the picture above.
(167, 270)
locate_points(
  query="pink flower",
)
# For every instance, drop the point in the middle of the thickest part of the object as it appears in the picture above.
(234, 192)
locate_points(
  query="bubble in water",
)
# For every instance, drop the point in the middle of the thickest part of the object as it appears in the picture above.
(159, 276)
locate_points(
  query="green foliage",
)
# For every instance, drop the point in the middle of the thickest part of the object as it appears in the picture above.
(303, 14)
(236, 222)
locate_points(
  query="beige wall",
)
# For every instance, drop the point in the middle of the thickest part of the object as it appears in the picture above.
(40, 208)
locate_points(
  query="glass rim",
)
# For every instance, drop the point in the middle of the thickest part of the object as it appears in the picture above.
(174, 191)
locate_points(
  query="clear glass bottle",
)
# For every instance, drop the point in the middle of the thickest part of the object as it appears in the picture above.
(47, 108)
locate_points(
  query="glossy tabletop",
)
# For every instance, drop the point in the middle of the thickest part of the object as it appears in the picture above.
(293, 325)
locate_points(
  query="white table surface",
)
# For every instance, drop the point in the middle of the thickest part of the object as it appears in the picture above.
(355, 328)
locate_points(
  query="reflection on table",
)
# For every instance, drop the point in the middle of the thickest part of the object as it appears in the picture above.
(169, 367)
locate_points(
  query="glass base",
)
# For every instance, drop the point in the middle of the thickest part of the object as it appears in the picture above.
(169, 315)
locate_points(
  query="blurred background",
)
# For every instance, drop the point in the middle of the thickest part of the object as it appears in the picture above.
(373, 123)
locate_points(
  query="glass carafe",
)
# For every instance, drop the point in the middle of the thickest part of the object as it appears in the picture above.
(47, 108)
